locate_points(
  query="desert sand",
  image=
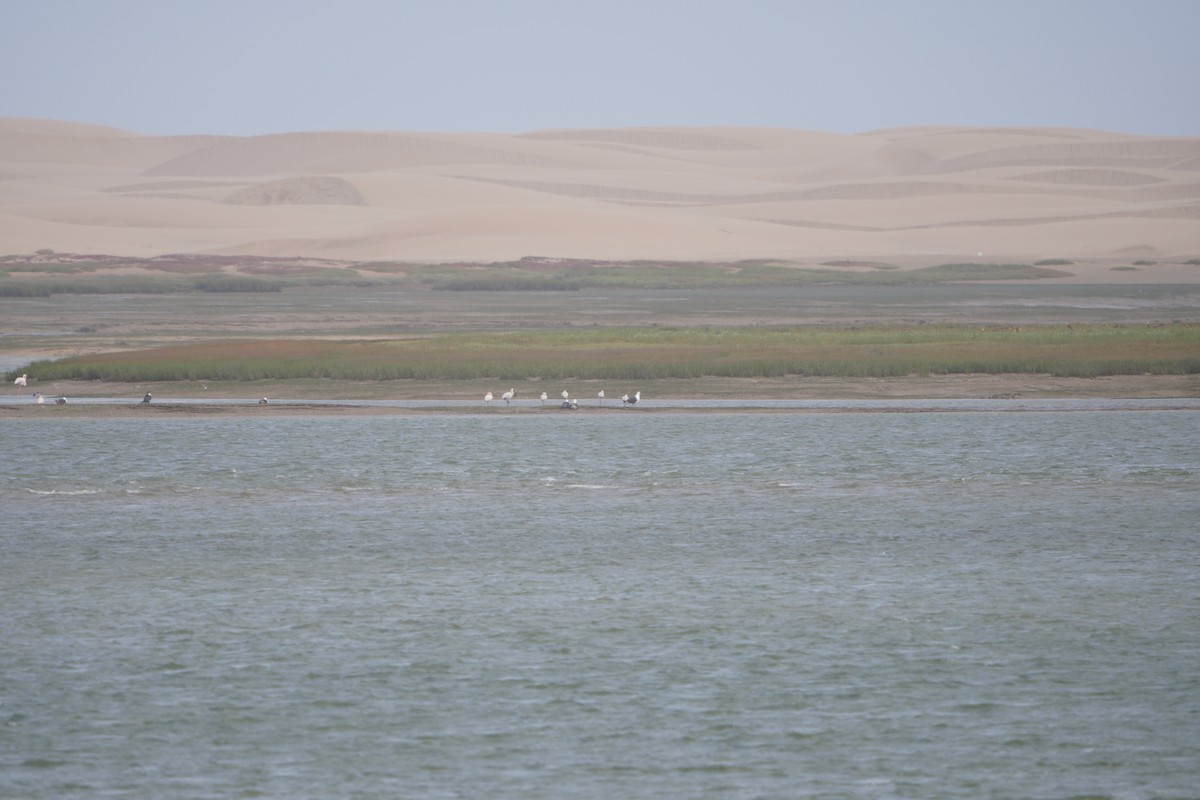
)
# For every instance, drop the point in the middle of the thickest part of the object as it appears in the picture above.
(912, 196)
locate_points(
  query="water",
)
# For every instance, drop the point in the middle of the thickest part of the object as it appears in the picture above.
(724, 605)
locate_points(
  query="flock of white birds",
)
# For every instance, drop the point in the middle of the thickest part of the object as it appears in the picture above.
(567, 400)
(507, 397)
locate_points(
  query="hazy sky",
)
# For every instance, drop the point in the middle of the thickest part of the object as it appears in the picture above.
(264, 66)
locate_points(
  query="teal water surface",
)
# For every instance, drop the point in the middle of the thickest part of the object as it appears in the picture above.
(732, 605)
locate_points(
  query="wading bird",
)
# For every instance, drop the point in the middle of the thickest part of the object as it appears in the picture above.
(508, 396)
(601, 396)
(22, 380)
(545, 397)
(147, 398)
(627, 400)
(487, 398)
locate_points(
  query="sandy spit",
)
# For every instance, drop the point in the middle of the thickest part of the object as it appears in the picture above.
(340, 400)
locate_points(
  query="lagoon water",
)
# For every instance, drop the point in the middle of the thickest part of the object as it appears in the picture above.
(624, 605)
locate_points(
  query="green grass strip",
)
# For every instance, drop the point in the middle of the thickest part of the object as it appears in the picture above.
(659, 352)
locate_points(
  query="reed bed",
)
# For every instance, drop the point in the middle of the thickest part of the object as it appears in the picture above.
(656, 352)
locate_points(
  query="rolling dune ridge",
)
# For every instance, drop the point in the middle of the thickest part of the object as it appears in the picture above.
(932, 194)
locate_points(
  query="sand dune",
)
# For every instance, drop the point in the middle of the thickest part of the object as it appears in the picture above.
(1089, 176)
(907, 195)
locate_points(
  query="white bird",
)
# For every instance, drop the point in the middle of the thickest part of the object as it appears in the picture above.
(508, 396)
(565, 394)
(40, 398)
(545, 397)
(631, 400)
(601, 396)
(487, 398)
(22, 380)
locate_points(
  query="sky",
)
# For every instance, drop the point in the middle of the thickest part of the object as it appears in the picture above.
(250, 67)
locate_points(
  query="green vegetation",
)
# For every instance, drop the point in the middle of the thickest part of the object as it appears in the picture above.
(509, 283)
(234, 283)
(47, 273)
(850, 263)
(111, 285)
(9, 289)
(984, 272)
(523, 275)
(660, 352)
(1053, 262)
